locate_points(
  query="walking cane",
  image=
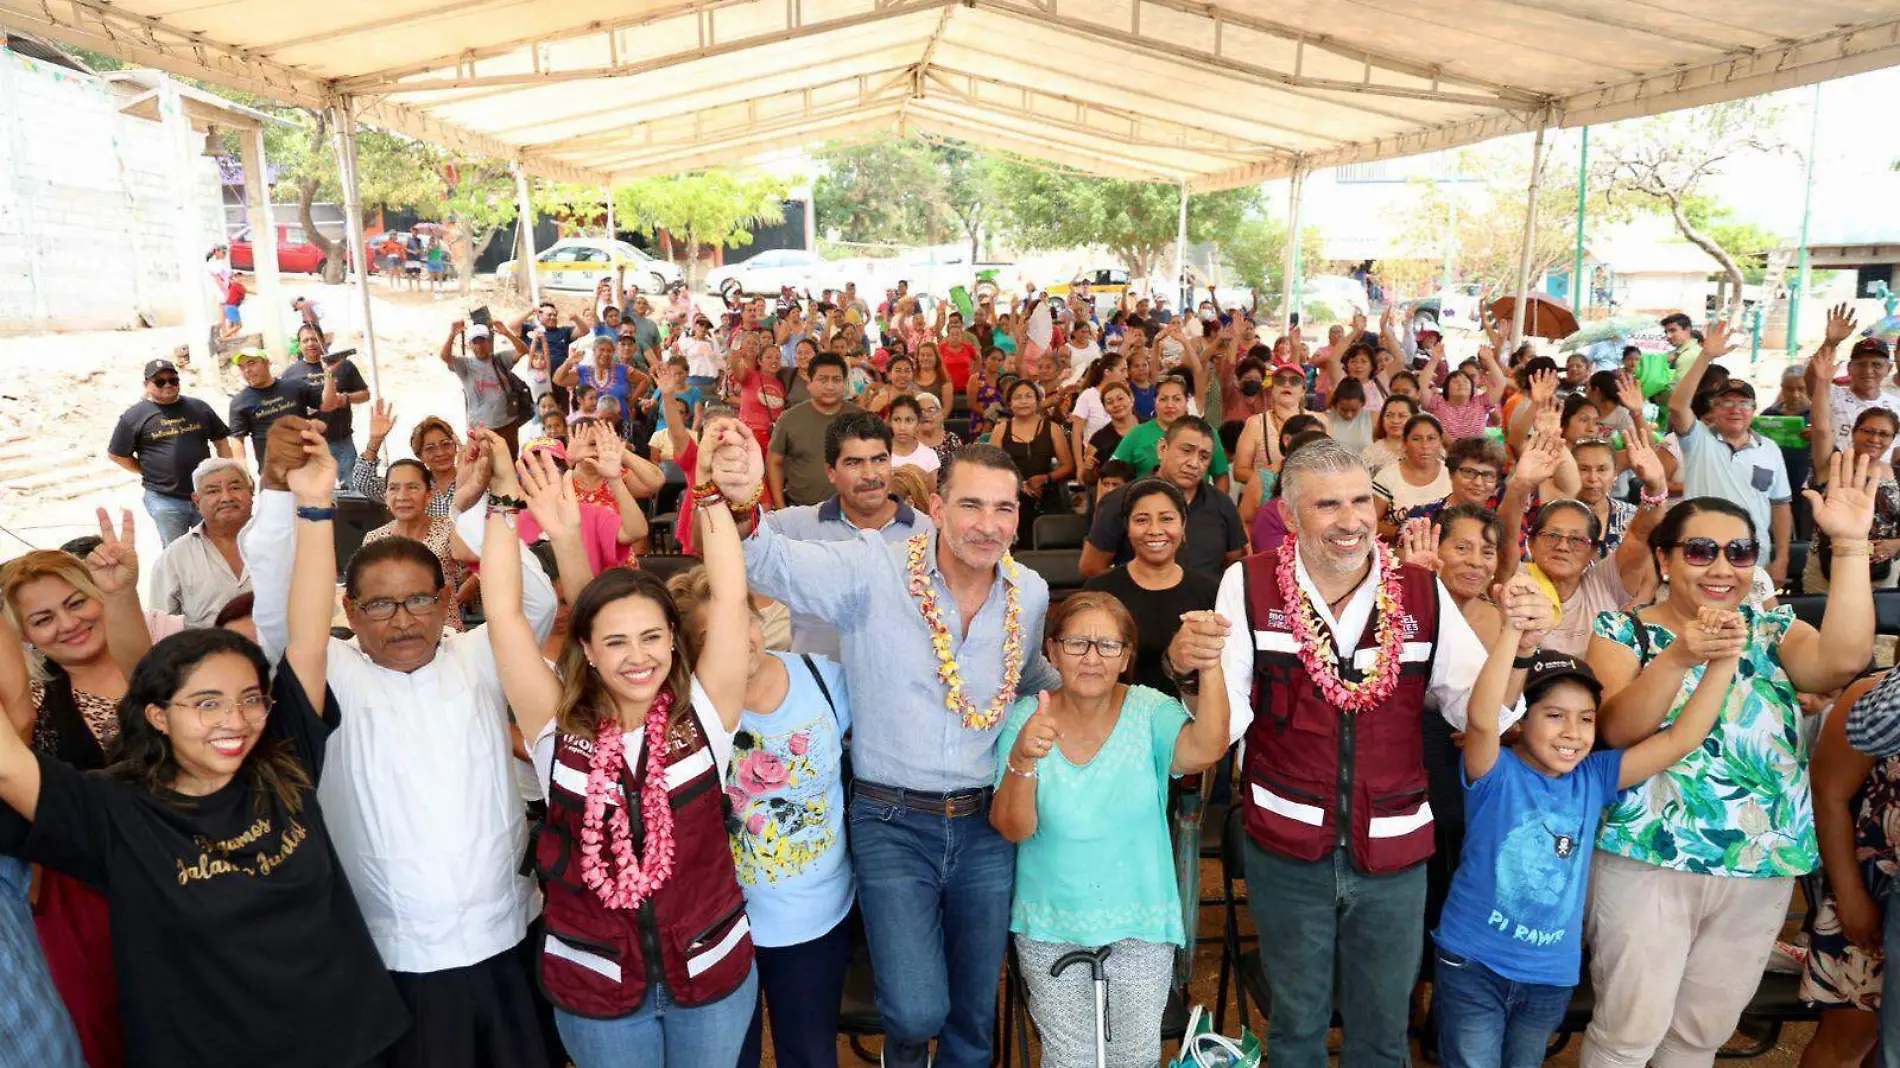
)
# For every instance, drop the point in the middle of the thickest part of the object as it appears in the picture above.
(1096, 959)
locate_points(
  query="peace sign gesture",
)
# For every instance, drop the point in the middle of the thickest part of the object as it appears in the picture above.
(114, 565)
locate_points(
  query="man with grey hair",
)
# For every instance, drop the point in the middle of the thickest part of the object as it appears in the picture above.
(1334, 648)
(201, 572)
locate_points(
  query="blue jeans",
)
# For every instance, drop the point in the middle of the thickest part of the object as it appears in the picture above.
(936, 894)
(803, 986)
(1325, 925)
(1488, 1021)
(344, 450)
(174, 515)
(661, 1034)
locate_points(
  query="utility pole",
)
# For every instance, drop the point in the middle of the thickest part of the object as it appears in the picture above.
(1577, 289)
(1807, 211)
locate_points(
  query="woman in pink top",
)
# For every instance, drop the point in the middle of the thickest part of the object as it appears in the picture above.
(1460, 408)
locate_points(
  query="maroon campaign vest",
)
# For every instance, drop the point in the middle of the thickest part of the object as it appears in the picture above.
(692, 936)
(1320, 779)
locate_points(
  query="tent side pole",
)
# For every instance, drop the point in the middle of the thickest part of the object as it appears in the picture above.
(1530, 238)
(259, 213)
(345, 115)
(1291, 267)
(1577, 289)
(188, 230)
(1180, 254)
(524, 229)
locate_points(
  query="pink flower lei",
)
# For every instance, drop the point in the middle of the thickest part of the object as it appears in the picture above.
(1316, 652)
(948, 672)
(628, 882)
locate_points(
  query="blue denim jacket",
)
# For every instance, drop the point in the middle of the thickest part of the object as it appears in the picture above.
(902, 733)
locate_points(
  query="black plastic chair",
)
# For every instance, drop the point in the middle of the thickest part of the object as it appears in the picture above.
(665, 565)
(1797, 562)
(1060, 568)
(1060, 531)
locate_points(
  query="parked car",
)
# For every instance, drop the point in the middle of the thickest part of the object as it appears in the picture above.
(580, 263)
(769, 272)
(295, 253)
(1332, 298)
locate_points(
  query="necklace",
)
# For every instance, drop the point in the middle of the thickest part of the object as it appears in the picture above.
(1316, 651)
(948, 671)
(634, 881)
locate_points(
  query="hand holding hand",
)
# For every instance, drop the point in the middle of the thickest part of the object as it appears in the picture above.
(1200, 641)
(114, 565)
(283, 451)
(1527, 609)
(730, 458)
(1714, 635)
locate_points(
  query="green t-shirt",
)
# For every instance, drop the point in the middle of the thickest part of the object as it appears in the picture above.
(1141, 449)
(1100, 867)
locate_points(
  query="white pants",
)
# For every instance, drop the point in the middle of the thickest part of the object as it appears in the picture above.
(1139, 974)
(1675, 958)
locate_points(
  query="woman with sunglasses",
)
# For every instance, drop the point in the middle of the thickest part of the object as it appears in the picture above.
(1083, 792)
(1259, 445)
(1695, 866)
(236, 938)
(433, 442)
(1873, 437)
(1388, 433)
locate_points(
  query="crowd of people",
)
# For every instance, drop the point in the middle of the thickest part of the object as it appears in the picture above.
(1490, 654)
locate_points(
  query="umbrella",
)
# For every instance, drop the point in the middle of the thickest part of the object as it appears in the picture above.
(1887, 329)
(430, 229)
(1547, 317)
(1615, 328)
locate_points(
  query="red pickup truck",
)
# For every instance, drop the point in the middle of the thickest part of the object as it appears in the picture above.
(295, 253)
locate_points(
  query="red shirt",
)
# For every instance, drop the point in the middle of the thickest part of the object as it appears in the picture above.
(957, 358)
(683, 531)
(761, 400)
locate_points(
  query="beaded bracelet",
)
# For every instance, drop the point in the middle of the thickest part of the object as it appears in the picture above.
(1851, 548)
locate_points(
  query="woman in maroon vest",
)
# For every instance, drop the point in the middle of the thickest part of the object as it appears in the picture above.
(647, 954)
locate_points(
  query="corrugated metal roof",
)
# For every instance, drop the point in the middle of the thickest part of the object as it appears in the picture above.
(1213, 94)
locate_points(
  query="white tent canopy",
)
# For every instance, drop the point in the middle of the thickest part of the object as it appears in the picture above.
(1213, 95)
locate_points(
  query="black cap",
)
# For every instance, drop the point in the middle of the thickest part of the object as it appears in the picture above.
(1869, 348)
(1548, 667)
(1735, 387)
(154, 368)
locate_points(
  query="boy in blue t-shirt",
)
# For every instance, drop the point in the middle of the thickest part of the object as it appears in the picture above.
(1511, 933)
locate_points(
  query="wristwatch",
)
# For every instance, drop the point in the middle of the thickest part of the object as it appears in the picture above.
(1188, 682)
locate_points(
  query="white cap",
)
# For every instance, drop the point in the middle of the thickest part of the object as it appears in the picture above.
(477, 332)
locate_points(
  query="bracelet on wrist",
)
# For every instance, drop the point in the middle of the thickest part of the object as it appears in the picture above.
(1851, 548)
(507, 502)
(316, 513)
(743, 508)
(1010, 764)
(1653, 500)
(1524, 660)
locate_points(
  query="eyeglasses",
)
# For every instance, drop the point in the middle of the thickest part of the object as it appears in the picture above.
(1476, 474)
(216, 711)
(437, 446)
(1557, 539)
(1732, 404)
(1109, 648)
(1701, 552)
(385, 608)
(165, 381)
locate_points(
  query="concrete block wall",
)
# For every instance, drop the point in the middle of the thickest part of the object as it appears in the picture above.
(86, 238)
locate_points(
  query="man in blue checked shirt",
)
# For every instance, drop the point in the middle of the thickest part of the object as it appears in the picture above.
(935, 879)
(35, 1031)
(1873, 727)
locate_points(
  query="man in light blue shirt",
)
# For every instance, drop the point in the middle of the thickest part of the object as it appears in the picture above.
(936, 928)
(858, 464)
(1726, 458)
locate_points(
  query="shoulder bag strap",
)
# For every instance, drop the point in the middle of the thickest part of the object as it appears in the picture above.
(819, 678)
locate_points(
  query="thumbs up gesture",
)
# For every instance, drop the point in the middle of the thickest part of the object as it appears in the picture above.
(1038, 735)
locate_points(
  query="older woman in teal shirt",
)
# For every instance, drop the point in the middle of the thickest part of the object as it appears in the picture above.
(1084, 794)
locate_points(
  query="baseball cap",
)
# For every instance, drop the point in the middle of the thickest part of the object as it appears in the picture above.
(1869, 348)
(549, 445)
(238, 357)
(1735, 387)
(1548, 667)
(154, 368)
(477, 332)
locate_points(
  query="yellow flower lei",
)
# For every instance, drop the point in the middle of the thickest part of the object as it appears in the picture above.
(948, 673)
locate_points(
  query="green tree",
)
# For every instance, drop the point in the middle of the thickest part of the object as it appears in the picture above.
(1137, 221)
(716, 207)
(1256, 251)
(478, 200)
(969, 192)
(880, 193)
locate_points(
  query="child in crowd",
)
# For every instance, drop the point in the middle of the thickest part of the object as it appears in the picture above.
(1511, 934)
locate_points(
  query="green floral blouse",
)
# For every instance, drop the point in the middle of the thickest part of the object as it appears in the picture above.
(1739, 804)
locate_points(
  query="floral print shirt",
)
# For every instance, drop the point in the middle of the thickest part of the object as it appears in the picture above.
(1739, 805)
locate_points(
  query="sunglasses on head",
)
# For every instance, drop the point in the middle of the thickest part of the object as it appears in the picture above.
(1701, 552)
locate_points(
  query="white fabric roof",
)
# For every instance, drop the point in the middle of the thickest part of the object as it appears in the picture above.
(1214, 94)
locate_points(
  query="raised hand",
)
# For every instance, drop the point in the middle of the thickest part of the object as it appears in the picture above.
(729, 457)
(1418, 544)
(1847, 512)
(1549, 420)
(283, 451)
(1628, 393)
(1841, 322)
(1544, 386)
(114, 565)
(314, 481)
(382, 419)
(1824, 362)
(1199, 642)
(549, 493)
(1539, 461)
(471, 461)
(1644, 461)
(1038, 734)
(1716, 339)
